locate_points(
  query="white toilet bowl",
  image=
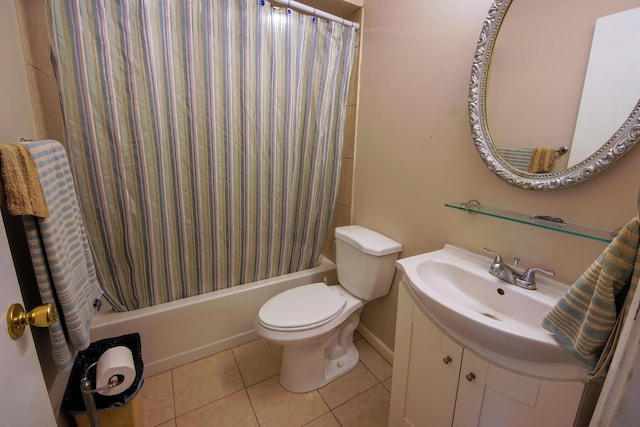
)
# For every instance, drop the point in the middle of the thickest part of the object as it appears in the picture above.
(317, 338)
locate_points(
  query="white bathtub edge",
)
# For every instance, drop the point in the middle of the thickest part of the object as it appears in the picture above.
(185, 357)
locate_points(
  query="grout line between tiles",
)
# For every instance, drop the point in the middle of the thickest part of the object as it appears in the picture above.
(374, 375)
(246, 387)
(356, 396)
(326, 403)
(235, 361)
(253, 409)
(318, 417)
(206, 404)
(173, 397)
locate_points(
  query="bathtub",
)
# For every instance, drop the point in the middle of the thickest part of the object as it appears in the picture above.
(182, 331)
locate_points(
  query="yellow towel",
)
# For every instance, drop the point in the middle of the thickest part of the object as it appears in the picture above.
(542, 160)
(20, 188)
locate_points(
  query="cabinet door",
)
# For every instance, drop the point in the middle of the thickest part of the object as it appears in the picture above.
(434, 366)
(473, 373)
(401, 356)
(512, 399)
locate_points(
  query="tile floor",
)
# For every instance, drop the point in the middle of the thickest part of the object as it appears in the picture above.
(239, 387)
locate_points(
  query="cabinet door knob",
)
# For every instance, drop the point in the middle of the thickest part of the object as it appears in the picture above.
(470, 376)
(447, 360)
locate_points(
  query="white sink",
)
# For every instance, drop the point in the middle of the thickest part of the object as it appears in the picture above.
(455, 288)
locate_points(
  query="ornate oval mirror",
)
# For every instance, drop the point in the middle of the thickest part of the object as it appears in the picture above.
(547, 113)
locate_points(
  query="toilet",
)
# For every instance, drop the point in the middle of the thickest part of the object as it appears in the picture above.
(315, 323)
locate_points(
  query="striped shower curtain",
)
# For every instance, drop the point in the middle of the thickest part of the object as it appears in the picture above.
(204, 137)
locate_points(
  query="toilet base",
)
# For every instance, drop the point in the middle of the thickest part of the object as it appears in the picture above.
(336, 368)
(308, 367)
(302, 376)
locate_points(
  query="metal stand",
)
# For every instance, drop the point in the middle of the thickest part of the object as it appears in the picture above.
(87, 393)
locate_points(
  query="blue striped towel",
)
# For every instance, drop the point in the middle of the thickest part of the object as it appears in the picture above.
(60, 253)
(588, 319)
(517, 157)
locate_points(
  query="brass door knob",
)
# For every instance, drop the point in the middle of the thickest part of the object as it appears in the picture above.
(17, 318)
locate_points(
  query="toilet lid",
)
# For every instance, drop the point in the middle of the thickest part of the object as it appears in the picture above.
(302, 308)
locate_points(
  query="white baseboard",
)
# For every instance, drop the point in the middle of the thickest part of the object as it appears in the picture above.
(376, 343)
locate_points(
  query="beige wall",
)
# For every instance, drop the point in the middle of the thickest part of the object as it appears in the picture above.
(414, 152)
(16, 119)
(44, 89)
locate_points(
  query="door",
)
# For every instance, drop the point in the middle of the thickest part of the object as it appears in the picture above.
(24, 400)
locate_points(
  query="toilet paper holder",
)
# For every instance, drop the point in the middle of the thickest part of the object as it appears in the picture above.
(94, 367)
(87, 393)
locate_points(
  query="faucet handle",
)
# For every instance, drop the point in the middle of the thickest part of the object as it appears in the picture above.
(498, 258)
(528, 278)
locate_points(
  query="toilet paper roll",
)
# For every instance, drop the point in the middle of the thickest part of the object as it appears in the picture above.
(116, 362)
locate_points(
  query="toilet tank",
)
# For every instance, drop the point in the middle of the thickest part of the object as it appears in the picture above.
(365, 260)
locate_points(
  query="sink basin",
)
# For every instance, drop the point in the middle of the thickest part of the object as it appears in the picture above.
(454, 287)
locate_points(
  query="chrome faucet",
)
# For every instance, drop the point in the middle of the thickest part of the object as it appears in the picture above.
(502, 271)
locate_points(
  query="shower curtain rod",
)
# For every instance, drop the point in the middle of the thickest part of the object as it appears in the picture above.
(316, 12)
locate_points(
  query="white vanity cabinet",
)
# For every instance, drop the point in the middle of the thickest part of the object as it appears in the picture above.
(439, 382)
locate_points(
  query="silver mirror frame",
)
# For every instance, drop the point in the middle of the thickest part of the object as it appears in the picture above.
(624, 139)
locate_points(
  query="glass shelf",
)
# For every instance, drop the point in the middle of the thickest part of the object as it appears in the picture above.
(593, 233)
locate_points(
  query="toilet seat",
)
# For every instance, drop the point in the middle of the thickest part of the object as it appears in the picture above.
(302, 308)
